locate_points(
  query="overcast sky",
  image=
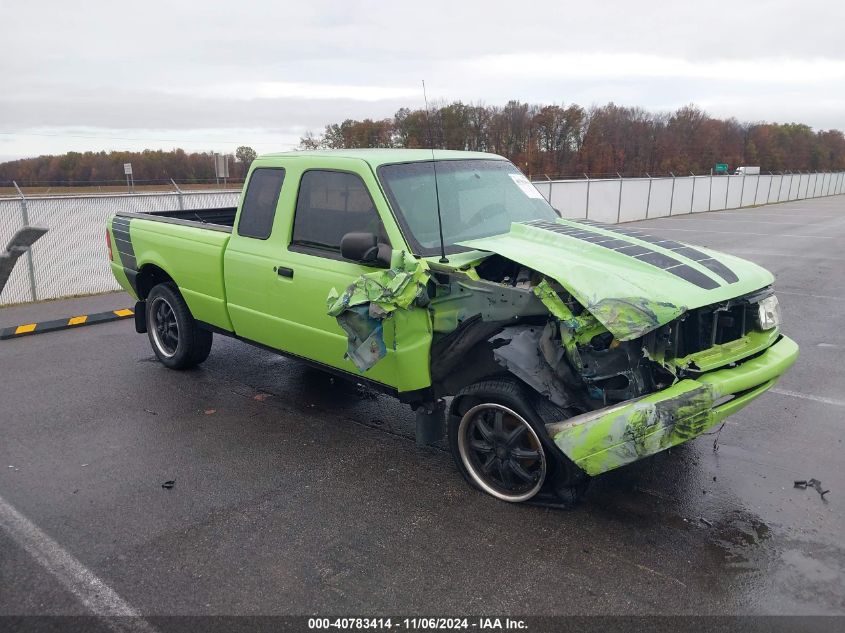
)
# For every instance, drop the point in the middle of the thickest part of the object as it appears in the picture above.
(205, 76)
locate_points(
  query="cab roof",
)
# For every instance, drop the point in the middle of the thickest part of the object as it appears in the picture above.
(377, 156)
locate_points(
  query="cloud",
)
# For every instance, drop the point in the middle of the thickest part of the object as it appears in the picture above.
(200, 71)
(630, 66)
(245, 91)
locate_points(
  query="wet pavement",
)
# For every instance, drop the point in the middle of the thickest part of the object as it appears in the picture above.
(298, 493)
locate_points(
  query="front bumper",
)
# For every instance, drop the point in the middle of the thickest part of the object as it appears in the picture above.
(605, 439)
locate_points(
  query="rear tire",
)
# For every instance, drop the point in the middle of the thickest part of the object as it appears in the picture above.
(176, 339)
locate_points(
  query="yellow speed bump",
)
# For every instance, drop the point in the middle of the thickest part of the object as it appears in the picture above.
(16, 331)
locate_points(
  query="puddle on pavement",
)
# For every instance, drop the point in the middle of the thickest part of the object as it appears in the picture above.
(736, 536)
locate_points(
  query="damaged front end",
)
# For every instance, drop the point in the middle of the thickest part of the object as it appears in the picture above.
(625, 376)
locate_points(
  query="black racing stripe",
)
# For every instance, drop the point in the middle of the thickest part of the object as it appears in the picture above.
(615, 244)
(633, 250)
(677, 247)
(128, 261)
(670, 244)
(694, 276)
(691, 253)
(641, 253)
(720, 269)
(659, 260)
(123, 243)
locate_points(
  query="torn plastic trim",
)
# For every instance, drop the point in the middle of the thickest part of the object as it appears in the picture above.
(371, 299)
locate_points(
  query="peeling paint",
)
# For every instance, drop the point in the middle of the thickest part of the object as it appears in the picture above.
(373, 297)
(610, 438)
(629, 318)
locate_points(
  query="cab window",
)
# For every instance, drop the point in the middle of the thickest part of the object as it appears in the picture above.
(331, 204)
(259, 207)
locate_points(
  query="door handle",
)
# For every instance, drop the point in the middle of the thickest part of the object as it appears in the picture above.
(285, 272)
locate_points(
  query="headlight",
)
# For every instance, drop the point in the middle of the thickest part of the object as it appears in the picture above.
(768, 313)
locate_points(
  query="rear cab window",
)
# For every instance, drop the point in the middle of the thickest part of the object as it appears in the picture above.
(329, 205)
(259, 206)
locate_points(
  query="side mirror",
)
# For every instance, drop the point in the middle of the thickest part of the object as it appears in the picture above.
(365, 248)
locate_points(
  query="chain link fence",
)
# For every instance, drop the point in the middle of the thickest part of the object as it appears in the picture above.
(613, 200)
(71, 258)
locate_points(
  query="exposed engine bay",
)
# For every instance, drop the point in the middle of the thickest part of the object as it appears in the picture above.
(500, 315)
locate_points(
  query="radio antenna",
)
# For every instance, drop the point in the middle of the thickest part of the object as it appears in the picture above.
(443, 259)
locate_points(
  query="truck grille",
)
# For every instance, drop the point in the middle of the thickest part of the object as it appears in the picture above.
(705, 327)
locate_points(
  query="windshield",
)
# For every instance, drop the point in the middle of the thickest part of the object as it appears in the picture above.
(478, 198)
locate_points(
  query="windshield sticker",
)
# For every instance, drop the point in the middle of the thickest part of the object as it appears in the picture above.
(527, 188)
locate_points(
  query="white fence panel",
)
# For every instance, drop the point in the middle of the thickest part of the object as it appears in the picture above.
(661, 195)
(635, 192)
(599, 199)
(734, 191)
(544, 187)
(748, 190)
(604, 200)
(680, 197)
(570, 200)
(701, 194)
(718, 192)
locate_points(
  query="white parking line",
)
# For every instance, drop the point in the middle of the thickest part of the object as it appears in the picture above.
(92, 592)
(807, 396)
(752, 221)
(652, 227)
(756, 214)
(745, 251)
(811, 296)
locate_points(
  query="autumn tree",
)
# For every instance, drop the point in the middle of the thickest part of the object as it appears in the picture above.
(245, 156)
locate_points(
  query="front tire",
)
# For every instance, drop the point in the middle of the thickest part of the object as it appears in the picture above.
(500, 453)
(176, 339)
(498, 439)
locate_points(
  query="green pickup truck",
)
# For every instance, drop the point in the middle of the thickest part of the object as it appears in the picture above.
(564, 348)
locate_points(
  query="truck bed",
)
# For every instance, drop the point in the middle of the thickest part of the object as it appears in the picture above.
(218, 219)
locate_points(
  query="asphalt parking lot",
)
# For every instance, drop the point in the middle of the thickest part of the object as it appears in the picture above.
(296, 493)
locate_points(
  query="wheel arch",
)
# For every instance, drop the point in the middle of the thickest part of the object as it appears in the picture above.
(149, 276)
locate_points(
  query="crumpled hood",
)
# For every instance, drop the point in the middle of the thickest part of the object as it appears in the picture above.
(630, 281)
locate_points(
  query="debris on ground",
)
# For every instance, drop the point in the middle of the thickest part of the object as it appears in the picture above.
(717, 432)
(167, 485)
(812, 483)
(150, 411)
(210, 411)
(705, 522)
